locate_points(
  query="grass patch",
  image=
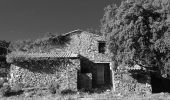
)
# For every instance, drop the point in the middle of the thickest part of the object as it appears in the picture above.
(45, 94)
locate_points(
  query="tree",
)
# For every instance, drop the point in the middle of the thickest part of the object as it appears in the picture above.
(44, 44)
(20, 45)
(139, 32)
(4, 47)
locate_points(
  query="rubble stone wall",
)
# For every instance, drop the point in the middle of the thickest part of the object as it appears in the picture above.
(86, 45)
(126, 82)
(42, 73)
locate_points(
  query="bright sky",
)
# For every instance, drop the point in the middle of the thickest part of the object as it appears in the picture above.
(28, 19)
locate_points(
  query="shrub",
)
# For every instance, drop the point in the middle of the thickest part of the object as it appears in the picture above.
(67, 91)
(1, 82)
(5, 90)
(17, 87)
(54, 88)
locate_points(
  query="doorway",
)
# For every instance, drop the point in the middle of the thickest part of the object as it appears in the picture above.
(159, 84)
(101, 75)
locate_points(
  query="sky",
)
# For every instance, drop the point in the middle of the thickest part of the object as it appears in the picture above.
(29, 19)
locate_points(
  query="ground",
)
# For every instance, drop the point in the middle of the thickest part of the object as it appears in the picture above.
(45, 95)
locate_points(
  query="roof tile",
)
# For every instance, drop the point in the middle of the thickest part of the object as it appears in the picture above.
(44, 55)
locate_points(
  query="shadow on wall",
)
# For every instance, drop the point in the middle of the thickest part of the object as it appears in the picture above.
(91, 75)
(44, 66)
(86, 65)
(141, 76)
(160, 84)
(14, 93)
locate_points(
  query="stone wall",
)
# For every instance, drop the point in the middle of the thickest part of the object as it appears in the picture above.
(42, 73)
(86, 45)
(132, 82)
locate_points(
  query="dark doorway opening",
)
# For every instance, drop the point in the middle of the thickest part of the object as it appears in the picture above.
(159, 84)
(94, 76)
(101, 76)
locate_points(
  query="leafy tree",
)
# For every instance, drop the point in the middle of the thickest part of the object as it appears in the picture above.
(4, 43)
(44, 44)
(20, 45)
(139, 32)
(4, 47)
(4, 66)
(94, 31)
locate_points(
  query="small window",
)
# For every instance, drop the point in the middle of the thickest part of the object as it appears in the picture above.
(102, 47)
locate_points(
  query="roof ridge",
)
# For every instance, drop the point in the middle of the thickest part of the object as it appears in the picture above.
(77, 30)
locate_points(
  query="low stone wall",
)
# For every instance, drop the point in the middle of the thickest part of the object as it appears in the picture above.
(126, 82)
(42, 73)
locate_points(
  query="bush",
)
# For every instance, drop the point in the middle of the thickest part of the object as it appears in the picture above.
(68, 91)
(5, 90)
(1, 82)
(54, 88)
(17, 87)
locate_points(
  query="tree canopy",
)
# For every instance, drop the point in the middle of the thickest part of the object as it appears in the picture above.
(139, 32)
(45, 44)
(4, 44)
(4, 47)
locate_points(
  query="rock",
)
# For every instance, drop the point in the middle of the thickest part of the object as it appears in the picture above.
(28, 94)
(1, 81)
(5, 84)
(107, 90)
(119, 95)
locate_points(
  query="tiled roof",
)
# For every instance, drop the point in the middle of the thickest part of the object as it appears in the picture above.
(45, 55)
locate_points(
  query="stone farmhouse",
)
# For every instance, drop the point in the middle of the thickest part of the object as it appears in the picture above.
(85, 62)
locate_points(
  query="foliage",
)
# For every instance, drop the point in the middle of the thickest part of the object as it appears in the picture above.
(44, 44)
(5, 90)
(2, 80)
(4, 47)
(67, 91)
(4, 43)
(17, 88)
(94, 31)
(20, 45)
(139, 32)
(4, 66)
(54, 88)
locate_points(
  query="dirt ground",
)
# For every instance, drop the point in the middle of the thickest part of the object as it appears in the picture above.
(44, 95)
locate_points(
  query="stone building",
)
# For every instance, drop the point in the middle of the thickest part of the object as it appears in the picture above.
(95, 59)
(41, 69)
(91, 65)
(91, 68)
